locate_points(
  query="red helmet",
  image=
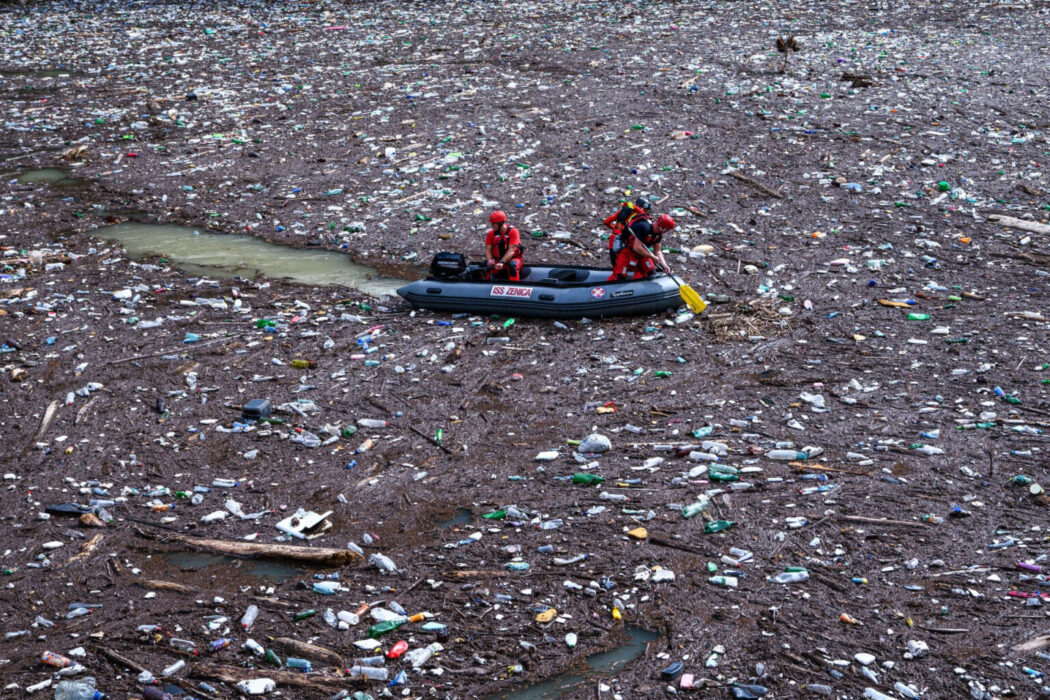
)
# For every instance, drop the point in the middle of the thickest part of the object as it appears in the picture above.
(497, 217)
(664, 222)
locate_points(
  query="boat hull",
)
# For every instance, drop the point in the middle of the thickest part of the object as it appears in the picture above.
(546, 291)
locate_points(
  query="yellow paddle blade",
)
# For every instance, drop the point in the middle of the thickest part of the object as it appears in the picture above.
(692, 299)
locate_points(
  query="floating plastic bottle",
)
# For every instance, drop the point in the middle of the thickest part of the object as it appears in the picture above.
(786, 455)
(80, 689)
(791, 577)
(251, 614)
(713, 526)
(370, 672)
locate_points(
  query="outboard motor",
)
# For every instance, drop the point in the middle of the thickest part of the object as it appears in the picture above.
(446, 266)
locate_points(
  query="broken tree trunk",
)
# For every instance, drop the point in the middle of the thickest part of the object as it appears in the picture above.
(1011, 222)
(313, 555)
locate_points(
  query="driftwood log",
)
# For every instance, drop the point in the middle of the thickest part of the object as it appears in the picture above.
(321, 683)
(309, 651)
(313, 555)
(1011, 222)
(1034, 644)
(166, 586)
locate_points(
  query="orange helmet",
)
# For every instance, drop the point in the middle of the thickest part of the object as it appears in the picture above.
(664, 223)
(497, 217)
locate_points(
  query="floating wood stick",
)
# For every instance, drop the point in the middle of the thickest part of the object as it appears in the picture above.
(314, 555)
(421, 434)
(757, 185)
(879, 521)
(1033, 644)
(123, 661)
(472, 573)
(49, 415)
(167, 586)
(86, 550)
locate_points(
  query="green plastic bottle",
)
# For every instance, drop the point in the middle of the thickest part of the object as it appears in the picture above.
(722, 477)
(380, 628)
(585, 479)
(713, 526)
(918, 317)
(723, 473)
(304, 614)
(496, 514)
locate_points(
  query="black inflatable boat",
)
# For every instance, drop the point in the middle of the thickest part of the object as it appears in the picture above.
(549, 291)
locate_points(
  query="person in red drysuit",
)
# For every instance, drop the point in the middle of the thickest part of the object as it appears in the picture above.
(627, 215)
(641, 251)
(503, 249)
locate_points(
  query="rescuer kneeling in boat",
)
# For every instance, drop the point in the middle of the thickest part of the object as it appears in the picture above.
(628, 214)
(503, 249)
(641, 252)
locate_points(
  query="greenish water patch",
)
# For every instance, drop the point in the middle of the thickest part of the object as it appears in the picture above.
(43, 175)
(209, 254)
(605, 663)
(264, 570)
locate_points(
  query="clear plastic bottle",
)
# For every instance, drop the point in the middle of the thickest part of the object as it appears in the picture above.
(326, 587)
(374, 673)
(249, 617)
(80, 689)
(372, 423)
(786, 455)
(791, 577)
(173, 669)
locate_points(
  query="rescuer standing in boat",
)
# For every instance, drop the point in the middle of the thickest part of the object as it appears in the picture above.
(503, 249)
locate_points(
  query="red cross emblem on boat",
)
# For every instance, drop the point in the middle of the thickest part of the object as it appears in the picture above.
(598, 292)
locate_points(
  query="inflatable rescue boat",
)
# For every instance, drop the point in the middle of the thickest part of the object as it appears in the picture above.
(549, 291)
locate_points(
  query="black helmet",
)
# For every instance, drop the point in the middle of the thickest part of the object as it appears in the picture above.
(643, 203)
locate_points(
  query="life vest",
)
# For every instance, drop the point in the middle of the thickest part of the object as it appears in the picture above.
(625, 218)
(643, 230)
(501, 242)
